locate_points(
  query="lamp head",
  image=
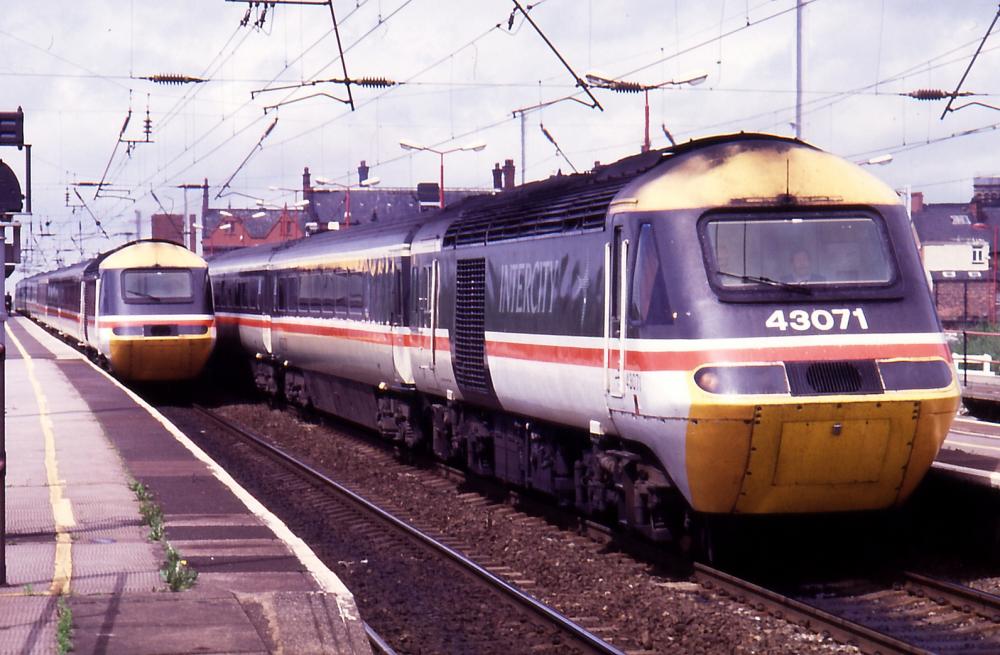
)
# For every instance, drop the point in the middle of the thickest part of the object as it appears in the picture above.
(694, 79)
(598, 79)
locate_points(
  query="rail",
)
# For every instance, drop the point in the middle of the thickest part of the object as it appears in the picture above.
(864, 638)
(984, 604)
(581, 634)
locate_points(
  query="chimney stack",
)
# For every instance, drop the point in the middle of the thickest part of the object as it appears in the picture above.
(306, 180)
(362, 172)
(508, 174)
(975, 209)
(916, 202)
(497, 177)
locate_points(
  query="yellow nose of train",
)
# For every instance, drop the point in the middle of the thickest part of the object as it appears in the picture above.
(161, 358)
(838, 453)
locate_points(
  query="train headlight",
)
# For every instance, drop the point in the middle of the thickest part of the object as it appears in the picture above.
(933, 374)
(128, 331)
(192, 329)
(745, 380)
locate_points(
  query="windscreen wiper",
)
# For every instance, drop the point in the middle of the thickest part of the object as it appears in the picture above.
(760, 279)
(143, 295)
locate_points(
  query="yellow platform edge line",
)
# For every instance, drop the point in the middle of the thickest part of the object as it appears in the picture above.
(62, 508)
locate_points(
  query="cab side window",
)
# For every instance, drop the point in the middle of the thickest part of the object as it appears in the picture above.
(648, 304)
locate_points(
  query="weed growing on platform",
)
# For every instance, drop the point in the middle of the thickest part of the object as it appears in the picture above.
(64, 628)
(176, 572)
(151, 513)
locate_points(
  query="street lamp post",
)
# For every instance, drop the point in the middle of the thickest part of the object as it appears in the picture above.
(367, 182)
(410, 145)
(623, 86)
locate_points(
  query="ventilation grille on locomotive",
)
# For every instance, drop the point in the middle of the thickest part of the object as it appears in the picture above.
(579, 211)
(829, 378)
(470, 322)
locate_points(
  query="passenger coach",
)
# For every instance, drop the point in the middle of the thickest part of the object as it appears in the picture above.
(143, 309)
(736, 325)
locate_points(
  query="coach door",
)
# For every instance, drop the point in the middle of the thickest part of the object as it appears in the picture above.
(615, 280)
(269, 299)
(82, 323)
(424, 320)
(88, 298)
(402, 330)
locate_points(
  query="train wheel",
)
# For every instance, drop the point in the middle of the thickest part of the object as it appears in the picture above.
(702, 538)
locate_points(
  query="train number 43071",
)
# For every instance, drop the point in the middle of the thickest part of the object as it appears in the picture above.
(818, 319)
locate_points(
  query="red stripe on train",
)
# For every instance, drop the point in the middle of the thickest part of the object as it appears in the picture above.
(635, 360)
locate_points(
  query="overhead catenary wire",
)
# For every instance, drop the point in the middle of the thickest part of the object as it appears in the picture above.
(253, 150)
(969, 67)
(239, 149)
(559, 150)
(579, 81)
(408, 80)
(832, 98)
(260, 118)
(97, 221)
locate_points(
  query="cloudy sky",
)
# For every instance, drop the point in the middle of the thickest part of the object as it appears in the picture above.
(462, 69)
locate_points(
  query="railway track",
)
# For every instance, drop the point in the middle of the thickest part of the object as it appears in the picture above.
(341, 506)
(919, 616)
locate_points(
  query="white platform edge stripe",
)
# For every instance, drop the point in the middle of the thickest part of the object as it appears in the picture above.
(991, 478)
(325, 578)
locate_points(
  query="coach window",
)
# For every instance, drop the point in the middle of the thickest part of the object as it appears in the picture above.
(252, 293)
(356, 286)
(309, 300)
(340, 292)
(327, 291)
(288, 293)
(648, 304)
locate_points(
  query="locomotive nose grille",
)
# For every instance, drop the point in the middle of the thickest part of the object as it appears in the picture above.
(826, 378)
(161, 330)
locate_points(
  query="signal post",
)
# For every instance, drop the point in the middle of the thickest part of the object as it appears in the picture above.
(11, 202)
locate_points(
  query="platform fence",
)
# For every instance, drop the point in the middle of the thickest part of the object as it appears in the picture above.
(976, 355)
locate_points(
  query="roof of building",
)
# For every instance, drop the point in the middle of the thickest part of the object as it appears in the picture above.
(955, 221)
(257, 228)
(373, 204)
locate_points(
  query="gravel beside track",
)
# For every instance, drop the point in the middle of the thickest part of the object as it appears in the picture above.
(638, 609)
(417, 600)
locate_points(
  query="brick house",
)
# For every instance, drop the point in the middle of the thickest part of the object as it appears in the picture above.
(329, 207)
(228, 229)
(170, 227)
(958, 247)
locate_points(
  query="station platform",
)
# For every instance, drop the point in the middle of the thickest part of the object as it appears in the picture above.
(982, 388)
(971, 453)
(75, 441)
